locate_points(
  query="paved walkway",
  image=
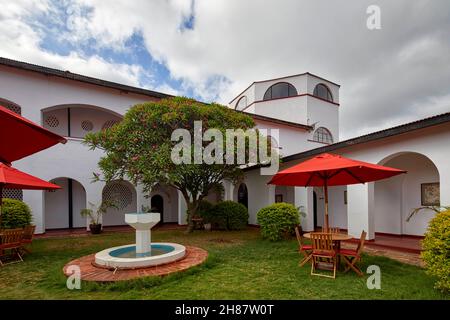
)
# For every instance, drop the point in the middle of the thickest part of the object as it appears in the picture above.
(395, 254)
(89, 272)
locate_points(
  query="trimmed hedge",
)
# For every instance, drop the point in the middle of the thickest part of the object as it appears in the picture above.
(204, 210)
(226, 215)
(278, 220)
(15, 214)
(436, 250)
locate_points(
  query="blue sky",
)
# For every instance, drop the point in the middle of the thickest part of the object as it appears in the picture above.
(212, 50)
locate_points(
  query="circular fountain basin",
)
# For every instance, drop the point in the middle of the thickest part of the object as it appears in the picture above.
(126, 256)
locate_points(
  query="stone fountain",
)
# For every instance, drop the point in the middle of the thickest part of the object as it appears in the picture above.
(143, 253)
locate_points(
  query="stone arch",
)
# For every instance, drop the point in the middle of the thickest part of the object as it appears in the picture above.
(76, 120)
(169, 196)
(397, 197)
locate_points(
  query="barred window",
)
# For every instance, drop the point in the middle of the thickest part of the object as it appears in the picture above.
(322, 91)
(323, 135)
(280, 90)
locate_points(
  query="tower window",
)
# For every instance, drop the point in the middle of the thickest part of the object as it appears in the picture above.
(280, 90)
(321, 91)
(323, 135)
(242, 103)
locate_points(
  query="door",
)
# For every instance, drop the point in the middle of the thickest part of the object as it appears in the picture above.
(157, 204)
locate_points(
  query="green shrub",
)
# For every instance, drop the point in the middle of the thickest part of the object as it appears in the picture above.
(204, 210)
(15, 214)
(229, 215)
(436, 250)
(278, 220)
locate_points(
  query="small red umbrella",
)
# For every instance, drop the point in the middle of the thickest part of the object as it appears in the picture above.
(14, 179)
(332, 170)
(19, 137)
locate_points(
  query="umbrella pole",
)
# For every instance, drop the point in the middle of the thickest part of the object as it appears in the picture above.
(325, 191)
(1, 202)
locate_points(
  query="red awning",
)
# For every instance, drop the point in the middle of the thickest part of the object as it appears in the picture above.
(332, 170)
(14, 179)
(19, 137)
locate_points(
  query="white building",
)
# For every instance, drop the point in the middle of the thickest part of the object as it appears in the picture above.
(305, 109)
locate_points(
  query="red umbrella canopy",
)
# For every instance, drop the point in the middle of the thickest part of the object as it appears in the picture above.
(19, 137)
(332, 170)
(14, 179)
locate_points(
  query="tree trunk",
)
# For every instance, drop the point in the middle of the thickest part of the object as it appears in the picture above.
(192, 207)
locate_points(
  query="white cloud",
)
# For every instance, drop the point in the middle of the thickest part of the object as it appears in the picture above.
(396, 74)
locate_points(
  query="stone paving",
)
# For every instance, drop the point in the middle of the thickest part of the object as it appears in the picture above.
(89, 272)
(402, 256)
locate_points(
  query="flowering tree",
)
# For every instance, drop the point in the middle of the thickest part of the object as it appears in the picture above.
(141, 147)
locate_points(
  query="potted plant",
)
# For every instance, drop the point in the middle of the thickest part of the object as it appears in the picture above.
(94, 215)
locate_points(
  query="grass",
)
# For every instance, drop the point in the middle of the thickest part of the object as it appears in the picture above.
(240, 266)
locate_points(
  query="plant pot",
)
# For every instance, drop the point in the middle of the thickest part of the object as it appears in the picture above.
(95, 228)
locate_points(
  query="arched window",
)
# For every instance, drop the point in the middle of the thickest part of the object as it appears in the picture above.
(11, 106)
(243, 195)
(323, 135)
(242, 103)
(280, 90)
(321, 91)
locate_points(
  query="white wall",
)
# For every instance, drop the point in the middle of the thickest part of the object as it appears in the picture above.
(396, 198)
(34, 92)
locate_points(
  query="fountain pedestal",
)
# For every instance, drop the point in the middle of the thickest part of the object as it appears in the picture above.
(142, 223)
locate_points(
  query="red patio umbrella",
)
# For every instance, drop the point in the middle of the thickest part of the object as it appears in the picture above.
(332, 170)
(19, 137)
(14, 179)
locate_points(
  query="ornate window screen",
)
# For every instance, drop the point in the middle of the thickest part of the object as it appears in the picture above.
(108, 124)
(16, 194)
(13, 108)
(87, 125)
(52, 121)
(119, 193)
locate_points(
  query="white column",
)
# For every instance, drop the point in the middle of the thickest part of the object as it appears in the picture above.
(444, 186)
(229, 189)
(360, 199)
(303, 197)
(182, 207)
(35, 200)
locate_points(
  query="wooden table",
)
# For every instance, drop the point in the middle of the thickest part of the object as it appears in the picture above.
(336, 238)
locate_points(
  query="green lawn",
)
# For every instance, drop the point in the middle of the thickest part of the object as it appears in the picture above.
(240, 266)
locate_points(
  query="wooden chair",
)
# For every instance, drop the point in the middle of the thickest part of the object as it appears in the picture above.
(11, 239)
(302, 248)
(352, 256)
(331, 230)
(335, 230)
(28, 233)
(323, 254)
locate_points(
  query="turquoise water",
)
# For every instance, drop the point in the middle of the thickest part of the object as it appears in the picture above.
(130, 251)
